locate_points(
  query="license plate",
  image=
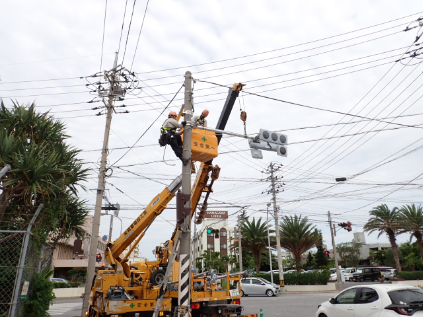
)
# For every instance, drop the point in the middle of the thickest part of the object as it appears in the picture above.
(234, 292)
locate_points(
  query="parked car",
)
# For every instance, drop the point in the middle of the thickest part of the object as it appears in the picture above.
(258, 286)
(333, 276)
(348, 273)
(58, 280)
(388, 274)
(366, 273)
(383, 300)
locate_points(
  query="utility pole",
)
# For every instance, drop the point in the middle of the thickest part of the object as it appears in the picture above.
(338, 273)
(184, 284)
(240, 221)
(278, 242)
(268, 243)
(195, 254)
(100, 191)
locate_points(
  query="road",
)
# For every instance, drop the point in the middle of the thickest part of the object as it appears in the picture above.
(287, 305)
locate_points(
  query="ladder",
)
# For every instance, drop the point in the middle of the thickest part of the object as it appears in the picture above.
(167, 274)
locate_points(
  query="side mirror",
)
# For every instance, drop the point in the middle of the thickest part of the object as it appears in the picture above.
(332, 300)
(263, 283)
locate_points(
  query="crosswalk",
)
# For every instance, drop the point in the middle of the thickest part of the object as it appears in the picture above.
(61, 308)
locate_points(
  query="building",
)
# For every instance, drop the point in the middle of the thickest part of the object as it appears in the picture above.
(72, 254)
(359, 237)
(214, 235)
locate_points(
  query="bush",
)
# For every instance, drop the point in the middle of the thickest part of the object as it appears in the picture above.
(40, 295)
(315, 278)
(61, 285)
(410, 275)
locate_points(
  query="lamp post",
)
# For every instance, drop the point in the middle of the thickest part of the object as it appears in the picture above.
(268, 242)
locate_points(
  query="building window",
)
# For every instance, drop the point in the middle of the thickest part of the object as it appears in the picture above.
(210, 246)
(223, 233)
(210, 234)
(223, 246)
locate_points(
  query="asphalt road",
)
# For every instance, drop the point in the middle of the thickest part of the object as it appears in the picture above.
(286, 305)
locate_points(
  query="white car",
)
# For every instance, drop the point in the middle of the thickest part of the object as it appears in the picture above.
(375, 300)
(333, 276)
(348, 273)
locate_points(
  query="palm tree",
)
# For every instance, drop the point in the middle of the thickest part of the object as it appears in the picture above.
(254, 239)
(411, 220)
(298, 235)
(44, 169)
(386, 221)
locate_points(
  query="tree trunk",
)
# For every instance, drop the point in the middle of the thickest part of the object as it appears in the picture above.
(298, 263)
(256, 256)
(418, 236)
(391, 236)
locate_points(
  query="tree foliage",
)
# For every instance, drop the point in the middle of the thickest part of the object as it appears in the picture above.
(411, 220)
(254, 238)
(349, 252)
(298, 235)
(384, 220)
(44, 170)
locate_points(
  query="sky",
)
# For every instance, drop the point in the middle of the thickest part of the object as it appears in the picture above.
(338, 78)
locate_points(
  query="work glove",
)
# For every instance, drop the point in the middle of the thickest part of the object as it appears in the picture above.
(184, 123)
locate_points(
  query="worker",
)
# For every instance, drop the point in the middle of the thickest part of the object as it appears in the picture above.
(170, 136)
(201, 119)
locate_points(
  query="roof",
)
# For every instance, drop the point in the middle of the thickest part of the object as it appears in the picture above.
(386, 287)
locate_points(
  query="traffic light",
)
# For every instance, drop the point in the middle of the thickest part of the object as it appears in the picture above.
(213, 231)
(345, 225)
(98, 257)
(327, 254)
(269, 141)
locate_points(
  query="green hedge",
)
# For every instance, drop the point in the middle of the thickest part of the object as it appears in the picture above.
(66, 285)
(315, 278)
(410, 275)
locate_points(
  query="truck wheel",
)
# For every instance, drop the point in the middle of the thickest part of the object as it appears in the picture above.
(157, 277)
(360, 279)
(269, 293)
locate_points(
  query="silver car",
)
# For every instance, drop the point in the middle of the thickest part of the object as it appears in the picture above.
(258, 286)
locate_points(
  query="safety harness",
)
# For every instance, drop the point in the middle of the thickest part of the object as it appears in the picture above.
(166, 134)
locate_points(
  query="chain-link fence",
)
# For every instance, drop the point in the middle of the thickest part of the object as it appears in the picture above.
(18, 263)
(19, 260)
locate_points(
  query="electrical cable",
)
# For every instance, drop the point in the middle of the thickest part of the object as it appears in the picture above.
(149, 126)
(310, 107)
(123, 23)
(104, 31)
(129, 30)
(139, 35)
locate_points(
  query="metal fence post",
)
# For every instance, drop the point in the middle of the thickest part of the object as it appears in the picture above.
(18, 281)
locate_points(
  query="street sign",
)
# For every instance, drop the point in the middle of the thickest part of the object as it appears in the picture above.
(104, 238)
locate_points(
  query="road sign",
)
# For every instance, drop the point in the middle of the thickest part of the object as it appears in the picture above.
(104, 238)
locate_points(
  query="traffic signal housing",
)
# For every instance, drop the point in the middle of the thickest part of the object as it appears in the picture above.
(269, 141)
(327, 253)
(213, 231)
(98, 257)
(346, 225)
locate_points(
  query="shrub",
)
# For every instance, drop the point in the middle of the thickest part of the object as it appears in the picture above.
(40, 295)
(315, 278)
(410, 275)
(61, 285)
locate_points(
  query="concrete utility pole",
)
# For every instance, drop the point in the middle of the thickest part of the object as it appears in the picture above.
(278, 241)
(184, 284)
(268, 243)
(338, 273)
(100, 191)
(240, 222)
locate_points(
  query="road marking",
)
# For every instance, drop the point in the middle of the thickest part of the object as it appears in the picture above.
(60, 309)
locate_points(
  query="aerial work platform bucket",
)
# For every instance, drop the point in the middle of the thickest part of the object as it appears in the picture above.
(203, 145)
